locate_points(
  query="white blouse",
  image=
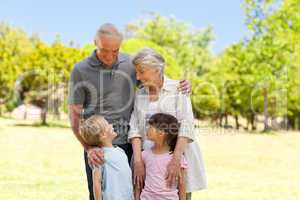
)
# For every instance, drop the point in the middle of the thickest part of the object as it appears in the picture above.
(172, 102)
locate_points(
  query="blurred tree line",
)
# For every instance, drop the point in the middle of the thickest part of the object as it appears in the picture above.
(254, 79)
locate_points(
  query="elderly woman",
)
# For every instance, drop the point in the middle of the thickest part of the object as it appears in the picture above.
(160, 94)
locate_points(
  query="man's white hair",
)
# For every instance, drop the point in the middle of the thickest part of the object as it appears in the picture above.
(108, 29)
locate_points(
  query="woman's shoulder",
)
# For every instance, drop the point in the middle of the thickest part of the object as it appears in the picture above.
(170, 84)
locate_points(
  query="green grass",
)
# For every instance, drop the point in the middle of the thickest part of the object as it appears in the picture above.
(47, 163)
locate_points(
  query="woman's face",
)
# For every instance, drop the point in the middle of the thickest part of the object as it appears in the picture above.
(147, 75)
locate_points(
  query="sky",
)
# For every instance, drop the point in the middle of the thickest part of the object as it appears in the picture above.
(78, 20)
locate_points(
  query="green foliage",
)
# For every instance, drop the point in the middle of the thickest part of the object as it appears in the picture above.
(188, 47)
(13, 44)
(255, 76)
(172, 70)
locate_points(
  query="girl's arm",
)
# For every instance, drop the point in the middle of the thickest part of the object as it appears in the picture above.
(137, 192)
(97, 184)
(181, 185)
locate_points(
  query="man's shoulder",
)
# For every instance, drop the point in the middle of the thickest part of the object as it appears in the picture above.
(82, 65)
(124, 56)
(125, 60)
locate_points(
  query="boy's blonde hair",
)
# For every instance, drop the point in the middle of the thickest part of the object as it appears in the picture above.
(91, 129)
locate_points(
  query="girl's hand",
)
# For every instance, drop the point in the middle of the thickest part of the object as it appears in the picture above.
(95, 156)
(139, 174)
(173, 171)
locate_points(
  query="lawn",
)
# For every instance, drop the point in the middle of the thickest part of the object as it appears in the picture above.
(47, 163)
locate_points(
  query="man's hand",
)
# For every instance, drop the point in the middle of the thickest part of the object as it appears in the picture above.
(139, 174)
(95, 156)
(185, 87)
(173, 172)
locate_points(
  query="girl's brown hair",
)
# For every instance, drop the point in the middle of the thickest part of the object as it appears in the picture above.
(169, 125)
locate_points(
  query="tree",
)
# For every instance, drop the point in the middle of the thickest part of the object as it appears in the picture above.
(14, 44)
(188, 47)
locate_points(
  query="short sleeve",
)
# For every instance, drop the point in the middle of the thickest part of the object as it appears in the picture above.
(186, 117)
(145, 154)
(76, 89)
(183, 163)
(134, 130)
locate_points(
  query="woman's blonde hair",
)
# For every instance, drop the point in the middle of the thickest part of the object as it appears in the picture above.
(91, 129)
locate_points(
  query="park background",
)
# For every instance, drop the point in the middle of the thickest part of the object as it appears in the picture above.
(245, 95)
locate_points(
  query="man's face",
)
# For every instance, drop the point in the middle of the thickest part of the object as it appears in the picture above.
(108, 49)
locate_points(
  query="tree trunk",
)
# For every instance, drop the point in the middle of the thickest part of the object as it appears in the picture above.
(226, 120)
(253, 125)
(25, 112)
(220, 120)
(44, 116)
(266, 113)
(247, 125)
(56, 105)
(237, 124)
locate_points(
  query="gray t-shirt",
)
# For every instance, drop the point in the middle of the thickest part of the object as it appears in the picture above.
(107, 92)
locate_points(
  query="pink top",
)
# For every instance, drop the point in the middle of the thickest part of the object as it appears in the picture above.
(155, 183)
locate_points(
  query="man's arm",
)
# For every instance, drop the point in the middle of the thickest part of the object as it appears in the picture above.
(185, 87)
(75, 111)
(95, 156)
(181, 185)
(97, 184)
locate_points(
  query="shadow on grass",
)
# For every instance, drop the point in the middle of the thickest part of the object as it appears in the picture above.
(40, 125)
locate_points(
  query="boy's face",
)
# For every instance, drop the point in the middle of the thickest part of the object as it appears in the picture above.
(108, 133)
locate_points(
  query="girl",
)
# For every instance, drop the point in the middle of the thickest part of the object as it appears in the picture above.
(162, 131)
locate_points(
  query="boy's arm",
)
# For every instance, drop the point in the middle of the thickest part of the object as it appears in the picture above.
(97, 184)
(181, 185)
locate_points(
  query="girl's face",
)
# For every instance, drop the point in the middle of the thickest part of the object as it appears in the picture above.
(153, 134)
(147, 75)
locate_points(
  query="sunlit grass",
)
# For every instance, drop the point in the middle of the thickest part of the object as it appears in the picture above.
(47, 163)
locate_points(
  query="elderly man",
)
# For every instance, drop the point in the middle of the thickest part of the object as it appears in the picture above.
(104, 84)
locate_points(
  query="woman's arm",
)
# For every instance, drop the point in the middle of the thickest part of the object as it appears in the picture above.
(181, 185)
(138, 164)
(135, 138)
(97, 184)
(185, 136)
(173, 169)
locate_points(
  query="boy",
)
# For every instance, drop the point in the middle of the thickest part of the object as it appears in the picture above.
(112, 180)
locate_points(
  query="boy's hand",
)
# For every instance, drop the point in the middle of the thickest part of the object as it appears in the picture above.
(95, 156)
(185, 87)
